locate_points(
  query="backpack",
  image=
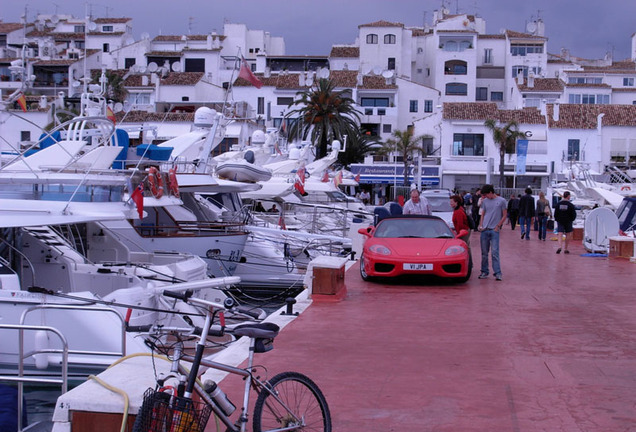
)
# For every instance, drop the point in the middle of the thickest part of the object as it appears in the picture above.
(471, 221)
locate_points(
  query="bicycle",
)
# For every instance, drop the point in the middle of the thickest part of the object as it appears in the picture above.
(290, 401)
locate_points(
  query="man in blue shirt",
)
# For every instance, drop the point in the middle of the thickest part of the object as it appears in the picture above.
(492, 219)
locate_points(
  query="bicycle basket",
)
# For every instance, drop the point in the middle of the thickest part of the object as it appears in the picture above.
(162, 412)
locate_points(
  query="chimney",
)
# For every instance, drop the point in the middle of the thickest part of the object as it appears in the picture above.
(144, 80)
(555, 112)
(531, 80)
(520, 77)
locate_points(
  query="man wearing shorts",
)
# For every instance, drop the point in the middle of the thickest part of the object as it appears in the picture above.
(564, 215)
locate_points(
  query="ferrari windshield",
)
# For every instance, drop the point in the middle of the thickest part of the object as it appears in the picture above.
(413, 228)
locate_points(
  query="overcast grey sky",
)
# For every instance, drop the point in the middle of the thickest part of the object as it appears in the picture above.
(587, 29)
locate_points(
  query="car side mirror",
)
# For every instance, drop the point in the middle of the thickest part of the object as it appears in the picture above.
(366, 231)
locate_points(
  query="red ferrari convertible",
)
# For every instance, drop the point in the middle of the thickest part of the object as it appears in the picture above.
(414, 244)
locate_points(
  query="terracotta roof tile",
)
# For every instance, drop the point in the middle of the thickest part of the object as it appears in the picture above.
(136, 81)
(345, 51)
(382, 24)
(583, 116)
(96, 33)
(343, 78)
(179, 38)
(55, 62)
(588, 85)
(542, 85)
(483, 111)
(111, 20)
(182, 78)
(420, 32)
(143, 116)
(163, 54)
(375, 82)
(9, 27)
(518, 35)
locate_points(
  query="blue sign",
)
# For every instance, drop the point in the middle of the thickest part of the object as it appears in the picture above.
(389, 174)
(522, 153)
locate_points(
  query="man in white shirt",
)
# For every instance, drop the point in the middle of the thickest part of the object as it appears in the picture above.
(417, 204)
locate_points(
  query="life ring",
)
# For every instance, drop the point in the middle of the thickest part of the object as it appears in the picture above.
(626, 188)
(156, 182)
(172, 182)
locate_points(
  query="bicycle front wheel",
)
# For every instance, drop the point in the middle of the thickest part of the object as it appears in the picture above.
(295, 402)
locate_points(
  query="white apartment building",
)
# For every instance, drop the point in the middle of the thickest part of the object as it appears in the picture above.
(442, 80)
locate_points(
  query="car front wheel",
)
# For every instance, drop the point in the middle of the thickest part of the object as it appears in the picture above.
(363, 273)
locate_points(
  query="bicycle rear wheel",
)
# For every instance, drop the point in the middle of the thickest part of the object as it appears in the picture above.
(300, 404)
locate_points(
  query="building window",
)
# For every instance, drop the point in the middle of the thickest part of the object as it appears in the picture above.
(106, 47)
(374, 102)
(386, 128)
(107, 29)
(389, 39)
(79, 29)
(381, 111)
(573, 150)
(368, 111)
(284, 101)
(628, 82)
(585, 80)
(468, 144)
(496, 96)
(391, 63)
(589, 99)
(488, 55)
(413, 106)
(25, 135)
(129, 62)
(456, 89)
(481, 94)
(260, 105)
(428, 106)
(372, 38)
(194, 65)
(455, 67)
(524, 49)
(138, 98)
(185, 98)
(574, 99)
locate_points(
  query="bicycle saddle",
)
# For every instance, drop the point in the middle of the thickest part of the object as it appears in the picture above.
(257, 330)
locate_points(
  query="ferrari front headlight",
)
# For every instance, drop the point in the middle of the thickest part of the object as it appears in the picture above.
(380, 249)
(455, 250)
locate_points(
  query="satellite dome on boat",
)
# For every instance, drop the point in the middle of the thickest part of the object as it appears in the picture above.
(294, 153)
(336, 145)
(258, 137)
(204, 117)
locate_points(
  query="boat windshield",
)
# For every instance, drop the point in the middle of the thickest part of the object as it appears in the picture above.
(62, 192)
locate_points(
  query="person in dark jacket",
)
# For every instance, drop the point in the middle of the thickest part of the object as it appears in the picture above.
(526, 213)
(513, 210)
(564, 215)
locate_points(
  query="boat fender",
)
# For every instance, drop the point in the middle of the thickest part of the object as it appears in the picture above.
(626, 188)
(172, 182)
(249, 156)
(41, 342)
(156, 182)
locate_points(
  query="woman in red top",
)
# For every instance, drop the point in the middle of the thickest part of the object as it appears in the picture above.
(460, 220)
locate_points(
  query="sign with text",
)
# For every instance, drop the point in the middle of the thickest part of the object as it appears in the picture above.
(522, 153)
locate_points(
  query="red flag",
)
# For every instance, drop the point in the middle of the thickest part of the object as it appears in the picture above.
(357, 178)
(299, 182)
(281, 222)
(110, 115)
(138, 198)
(22, 102)
(337, 180)
(325, 177)
(246, 74)
(277, 148)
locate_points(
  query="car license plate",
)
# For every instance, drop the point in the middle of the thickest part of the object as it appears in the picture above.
(417, 267)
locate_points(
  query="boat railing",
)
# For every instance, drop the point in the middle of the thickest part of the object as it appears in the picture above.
(77, 308)
(21, 378)
(190, 228)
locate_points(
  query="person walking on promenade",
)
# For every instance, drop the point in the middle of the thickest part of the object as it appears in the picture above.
(417, 204)
(564, 215)
(476, 203)
(493, 218)
(543, 213)
(513, 210)
(526, 213)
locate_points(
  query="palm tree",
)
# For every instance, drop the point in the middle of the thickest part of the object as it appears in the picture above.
(406, 145)
(357, 147)
(506, 137)
(326, 113)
